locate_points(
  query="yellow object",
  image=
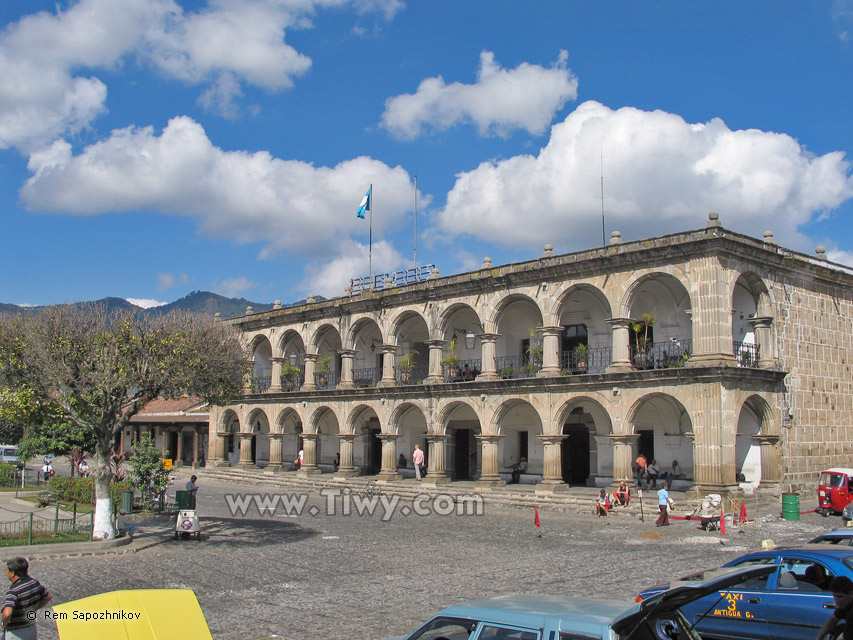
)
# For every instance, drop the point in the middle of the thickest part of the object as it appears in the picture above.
(167, 463)
(140, 614)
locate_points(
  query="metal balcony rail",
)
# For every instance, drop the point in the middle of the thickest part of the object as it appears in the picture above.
(260, 384)
(596, 360)
(387, 280)
(410, 375)
(669, 354)
(517, 366)
(463, 371)
(292, 381)
(365, 377)
(746, 354)
(326, 379)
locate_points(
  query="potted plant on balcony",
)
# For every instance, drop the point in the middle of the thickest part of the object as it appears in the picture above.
(321, 371)
(407, 363)
(581, 357)
(507, 372)
(451, 361)
(290, 376)
(641, 331)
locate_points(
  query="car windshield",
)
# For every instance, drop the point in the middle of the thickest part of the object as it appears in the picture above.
(832, 479)
(447, 628)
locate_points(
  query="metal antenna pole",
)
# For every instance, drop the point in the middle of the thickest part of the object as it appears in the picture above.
(603, 236)
(370, 249)
(416, 223)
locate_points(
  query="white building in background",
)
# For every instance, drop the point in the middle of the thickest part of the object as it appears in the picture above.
(727, 353)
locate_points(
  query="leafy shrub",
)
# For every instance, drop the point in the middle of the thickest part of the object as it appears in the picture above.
(7, 475)
(82, 490)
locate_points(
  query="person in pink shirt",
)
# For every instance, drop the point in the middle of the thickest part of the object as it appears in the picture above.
(418, 460)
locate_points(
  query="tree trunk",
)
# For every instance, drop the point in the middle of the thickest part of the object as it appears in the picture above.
(103, 529)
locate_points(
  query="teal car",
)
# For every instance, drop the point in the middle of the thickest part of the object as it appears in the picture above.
(543, 617)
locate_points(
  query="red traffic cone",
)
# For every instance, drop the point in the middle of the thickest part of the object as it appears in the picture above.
(536, 517)
(742, 512)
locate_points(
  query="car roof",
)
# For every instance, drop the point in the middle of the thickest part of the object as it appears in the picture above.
(844, 533)
(530, 610)
(834, 552)
(846, 470)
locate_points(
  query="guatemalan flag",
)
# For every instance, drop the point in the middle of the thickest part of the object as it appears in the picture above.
(365, 204)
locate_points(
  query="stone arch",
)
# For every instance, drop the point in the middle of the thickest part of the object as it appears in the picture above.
(520, 424)
(229, 424)
(259, 425)
(364, 421)
(262, 354)
(460, 319)
(755, 442)
(410, 331)
(291, 342)
(410, 422)
(664, 429)
(324, 422)
(365, 337)
(666, 298)
(752, 312)
(516, 318)
(585, 344)
(290, 424)
(460, 422)
(326, 342)
(586, 451)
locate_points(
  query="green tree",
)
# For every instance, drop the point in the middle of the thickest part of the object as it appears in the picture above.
(101, 368)
(10, 431)
(146, 468)
(59, 436)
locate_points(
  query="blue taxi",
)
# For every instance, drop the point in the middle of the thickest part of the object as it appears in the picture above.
(791, 603)
(544, 617)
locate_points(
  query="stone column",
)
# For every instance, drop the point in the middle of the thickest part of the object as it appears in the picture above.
(437, 471)
(623, 457)
(550, 351)
(347, 359)
(346, 468)
(195, 448)
(488, 347)
(620, 355)
(389, 457)
(552, 472)
(161, 432)
(714, 468)
(179, 451)
(712, 316)
(309, 448)
(389, 356)
(275, 453)
(489, 477)
(275, 375)
(771, 460)
(764, 340)
(310, 360)
(246, 461)
(220, 449)
(436, 353)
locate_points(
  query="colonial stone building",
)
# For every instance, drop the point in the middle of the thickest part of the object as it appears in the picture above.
(727, 353)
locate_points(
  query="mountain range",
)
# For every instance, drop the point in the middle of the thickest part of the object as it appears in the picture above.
(204, 302)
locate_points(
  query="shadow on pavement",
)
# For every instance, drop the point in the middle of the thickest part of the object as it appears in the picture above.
(249, 531)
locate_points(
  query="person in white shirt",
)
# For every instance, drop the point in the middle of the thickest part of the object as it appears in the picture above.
(192, 488)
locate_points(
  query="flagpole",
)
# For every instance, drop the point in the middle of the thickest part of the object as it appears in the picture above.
(416, 222)
(370, 250)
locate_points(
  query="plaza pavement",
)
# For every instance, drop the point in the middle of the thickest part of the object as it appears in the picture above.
(330, 577)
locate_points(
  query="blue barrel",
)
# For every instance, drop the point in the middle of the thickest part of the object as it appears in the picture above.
(790, 506)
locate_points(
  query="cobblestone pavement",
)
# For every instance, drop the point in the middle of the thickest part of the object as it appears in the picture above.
(329, 577)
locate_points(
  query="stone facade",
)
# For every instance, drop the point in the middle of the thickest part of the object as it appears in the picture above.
(724, 352)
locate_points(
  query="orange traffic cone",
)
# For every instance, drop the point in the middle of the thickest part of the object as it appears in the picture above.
(742, 512)
(536, 517)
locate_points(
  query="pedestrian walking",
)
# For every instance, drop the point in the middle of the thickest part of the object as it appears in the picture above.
(24, 597)
(842, 593)
(664, 503)
(642, 465)
(418, 460)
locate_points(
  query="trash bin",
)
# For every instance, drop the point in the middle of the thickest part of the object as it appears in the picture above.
(127, 501)
(791, 506)
(182, 499)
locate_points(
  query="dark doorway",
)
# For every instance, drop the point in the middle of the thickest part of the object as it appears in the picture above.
(375, 454)
(173, 446)
(646, 444)
(575, 454)
(462, 459)
(254, 449)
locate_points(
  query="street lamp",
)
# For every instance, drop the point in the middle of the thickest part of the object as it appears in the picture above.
(469, 339)
(293, 359)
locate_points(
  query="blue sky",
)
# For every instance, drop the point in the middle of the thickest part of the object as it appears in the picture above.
(150, 148)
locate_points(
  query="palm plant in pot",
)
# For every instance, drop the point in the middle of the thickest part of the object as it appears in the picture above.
(407, 363)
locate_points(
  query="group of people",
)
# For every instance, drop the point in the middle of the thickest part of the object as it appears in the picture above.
(621, 498)
(648, 473)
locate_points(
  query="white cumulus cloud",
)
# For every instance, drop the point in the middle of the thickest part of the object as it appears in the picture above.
(661, 174)
(329, 279)
(501, 100)
(246, 197)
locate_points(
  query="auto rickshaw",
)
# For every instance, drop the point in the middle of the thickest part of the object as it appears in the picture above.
(835, 490)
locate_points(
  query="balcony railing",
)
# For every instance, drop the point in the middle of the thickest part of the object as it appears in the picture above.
(326, 379)
(292, 381)
(746, 354)
(365, 377)
(597, 359)
(410, 375)
(662, 355)
(517, 367)
(260, 384)
(463, 371)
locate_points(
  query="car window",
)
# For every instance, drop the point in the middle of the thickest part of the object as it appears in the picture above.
(754, 584)
(445, 629)
(832, 480)
(804, 575)
(495, 632)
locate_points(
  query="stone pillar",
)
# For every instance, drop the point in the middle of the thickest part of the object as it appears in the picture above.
(764, 340)
(623, 458)
(246, 461)
(488, 347)
(437, 471)
(309, 448)
(346, 468)
(161, 432)
(179, 451)
(550, 351)
(771, 460)
(195, 448)
(275, 375)
(389, 457)
(620, 355)
(489, 477)
(436, 353)
(552, 472)
(275, 453)
(310, 360)
(714, 468)
(389, 356)
(220, 449)
(712, 316)
(347, 359)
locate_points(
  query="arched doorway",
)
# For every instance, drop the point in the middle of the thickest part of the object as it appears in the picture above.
(575, 451)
